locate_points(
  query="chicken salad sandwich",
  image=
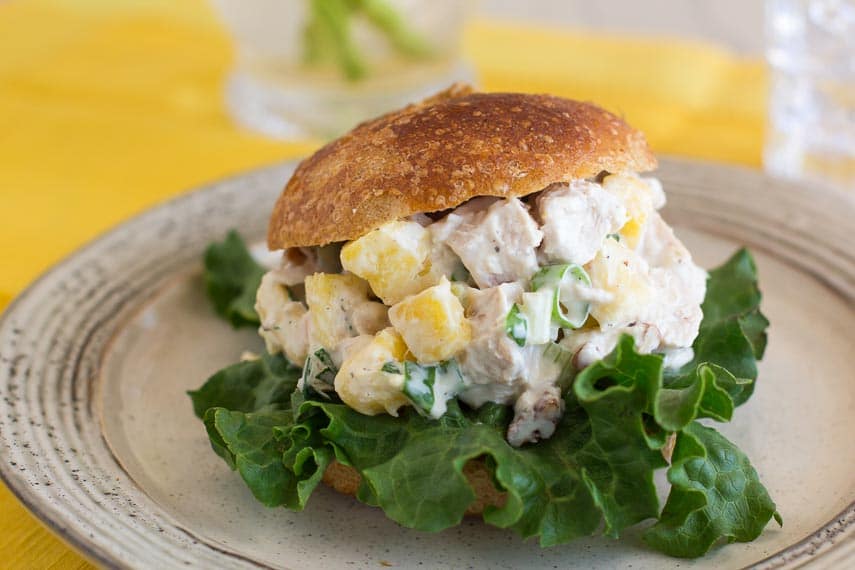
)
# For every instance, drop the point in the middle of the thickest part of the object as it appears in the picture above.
(475, 307)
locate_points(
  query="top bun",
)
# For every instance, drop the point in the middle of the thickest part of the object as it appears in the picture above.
(441, 152)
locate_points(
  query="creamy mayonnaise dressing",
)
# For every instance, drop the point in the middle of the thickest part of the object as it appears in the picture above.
(431, 309)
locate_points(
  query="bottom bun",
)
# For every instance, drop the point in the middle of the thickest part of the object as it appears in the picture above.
(346, 480)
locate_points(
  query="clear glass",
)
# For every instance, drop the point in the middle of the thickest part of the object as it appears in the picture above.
(318, 67)
(811, 53)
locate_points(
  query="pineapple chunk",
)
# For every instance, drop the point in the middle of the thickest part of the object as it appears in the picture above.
(638, 199)
(364, 385)
(332, 299)
(620, 272)
(432, 323)
(393, 259)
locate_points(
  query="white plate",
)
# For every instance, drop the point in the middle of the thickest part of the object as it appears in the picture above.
(99, 440)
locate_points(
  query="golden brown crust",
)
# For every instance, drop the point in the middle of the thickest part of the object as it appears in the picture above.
(443, 151)
(346, 480)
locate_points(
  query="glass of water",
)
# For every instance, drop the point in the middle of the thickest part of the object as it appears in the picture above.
(811, 52)
(317, 67)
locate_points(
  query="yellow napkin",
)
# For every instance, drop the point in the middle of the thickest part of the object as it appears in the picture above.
(109, 106)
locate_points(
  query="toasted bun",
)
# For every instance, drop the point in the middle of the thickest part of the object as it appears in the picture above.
(443, 151)
(346, 480)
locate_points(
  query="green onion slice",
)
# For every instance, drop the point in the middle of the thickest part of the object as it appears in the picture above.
(537, 309)
(568, 311)
(516, 325)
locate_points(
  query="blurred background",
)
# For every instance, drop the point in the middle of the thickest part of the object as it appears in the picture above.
(110, 106)
(315, 67)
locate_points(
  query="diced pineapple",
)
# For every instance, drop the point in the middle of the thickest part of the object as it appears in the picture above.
(283, 321)
(393, 259)
(332, 299)
(364, 384)
(638, 199)
(631, 231)
(621, 272)
(432, 323)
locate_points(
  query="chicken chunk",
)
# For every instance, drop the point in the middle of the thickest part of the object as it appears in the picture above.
(590, 345)
(576, 218)
(369, 317)
(493, 363)
(679, 285)
(497, 245)
(297, 263)
(284, 323)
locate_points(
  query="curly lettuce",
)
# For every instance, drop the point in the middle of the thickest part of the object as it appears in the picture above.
(594, 474)
(715, 494)
(232, 278)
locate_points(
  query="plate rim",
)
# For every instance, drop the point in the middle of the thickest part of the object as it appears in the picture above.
(836, 537)
(20, 491)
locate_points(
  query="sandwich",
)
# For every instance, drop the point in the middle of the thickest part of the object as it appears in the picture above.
(473, 306)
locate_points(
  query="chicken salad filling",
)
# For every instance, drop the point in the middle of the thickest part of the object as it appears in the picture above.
(499, 300)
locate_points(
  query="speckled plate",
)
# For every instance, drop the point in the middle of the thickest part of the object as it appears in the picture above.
(99, 440)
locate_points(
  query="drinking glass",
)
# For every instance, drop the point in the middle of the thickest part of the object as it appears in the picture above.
(317, 67)
(811, 52)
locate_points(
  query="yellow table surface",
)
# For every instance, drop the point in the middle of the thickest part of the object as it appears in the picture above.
(109, 106)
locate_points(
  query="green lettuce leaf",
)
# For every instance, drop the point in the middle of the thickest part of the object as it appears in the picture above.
(715, 494)
(244, 408)
(597, 468)
(733, 331)
(232, 278)
(278, 471)
(732, 337)
(620, 458)
(254, 385)
(595, 472)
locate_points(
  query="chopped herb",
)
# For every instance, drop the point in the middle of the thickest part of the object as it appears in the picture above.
(418, 385)
(319, 375)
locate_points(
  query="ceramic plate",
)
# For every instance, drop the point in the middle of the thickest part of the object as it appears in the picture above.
(99, 440)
